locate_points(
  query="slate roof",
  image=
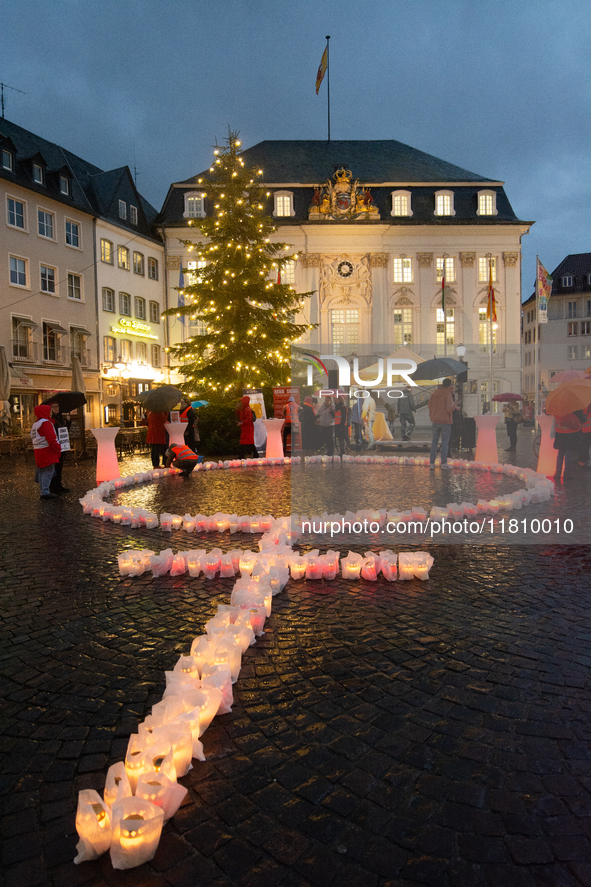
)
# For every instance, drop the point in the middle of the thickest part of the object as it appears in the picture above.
(383, 160)
(93, 190)
(384, 165)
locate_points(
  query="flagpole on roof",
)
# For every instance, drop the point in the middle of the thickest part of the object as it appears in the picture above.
(490, 333)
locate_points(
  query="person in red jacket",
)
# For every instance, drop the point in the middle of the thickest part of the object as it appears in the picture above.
(46, 448)
(156, 437)
(246, 423)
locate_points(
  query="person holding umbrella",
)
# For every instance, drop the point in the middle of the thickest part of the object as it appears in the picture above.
(513, 416)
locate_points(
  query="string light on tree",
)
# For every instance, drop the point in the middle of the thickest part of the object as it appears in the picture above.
(254, 328)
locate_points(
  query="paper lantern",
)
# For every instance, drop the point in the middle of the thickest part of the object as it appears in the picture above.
(351, 566)
(179, 737)
(136, 749)
(192, 719)
(313, 568)
(116, 784)
(247, 562)
(297, 565)
(369, 569)
(159, 757)
(189, 523)
(194, 559)
(229, 652)
(137, 825)
(203, 650)
(257, 616)
(161, 791)
(220, 677)
(227, 566)
(93, 824)
(208, 701)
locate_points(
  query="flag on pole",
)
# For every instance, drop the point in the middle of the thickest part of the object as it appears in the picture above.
(491, 305)
(544, 291)
(279, 275)
(322, 69)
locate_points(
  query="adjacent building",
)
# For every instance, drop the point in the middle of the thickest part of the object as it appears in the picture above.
(378, 226)
(61, 292)
(564, 343)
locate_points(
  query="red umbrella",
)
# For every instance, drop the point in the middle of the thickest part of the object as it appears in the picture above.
(502, 398)
(567, 376)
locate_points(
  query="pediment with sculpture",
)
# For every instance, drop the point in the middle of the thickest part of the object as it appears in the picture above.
(341, 197)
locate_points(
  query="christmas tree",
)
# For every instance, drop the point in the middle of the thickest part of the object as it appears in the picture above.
(247, 313)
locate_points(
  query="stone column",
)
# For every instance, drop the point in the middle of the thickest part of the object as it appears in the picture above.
(379, 264)
(425, 283)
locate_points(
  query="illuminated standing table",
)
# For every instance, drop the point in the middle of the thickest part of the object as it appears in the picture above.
(176, 432)
(274, 442)
(107, 466)
(486, 444)
(547, 456)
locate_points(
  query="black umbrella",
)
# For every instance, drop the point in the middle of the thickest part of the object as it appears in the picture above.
(67, 400)
(161, 399)
(437, 368)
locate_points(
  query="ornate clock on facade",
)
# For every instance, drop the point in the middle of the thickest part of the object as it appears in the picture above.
(345, 269)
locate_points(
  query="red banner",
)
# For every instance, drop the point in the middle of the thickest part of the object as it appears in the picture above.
(280, 400)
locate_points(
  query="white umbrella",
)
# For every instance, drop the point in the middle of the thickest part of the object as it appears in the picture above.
(4, 389)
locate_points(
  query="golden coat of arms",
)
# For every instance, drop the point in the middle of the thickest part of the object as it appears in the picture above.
(342, 198)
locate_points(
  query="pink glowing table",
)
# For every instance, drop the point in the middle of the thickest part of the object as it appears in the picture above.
(547, 455)
(486, 444)
(176, 432)
(107, 466)
(274, 442)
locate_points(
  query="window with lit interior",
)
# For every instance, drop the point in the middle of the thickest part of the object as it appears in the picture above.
(401, 203)
(487, 203)
(283, 203)
(484, 265)
(194, 205)
(484, 331)
(344, 329)
(445, 331)
(402, 326)
(444, 203)
(402, 269)
(450, 269)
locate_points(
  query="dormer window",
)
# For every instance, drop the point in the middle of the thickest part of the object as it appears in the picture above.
(38, 176)
(401, 203)
(283, 204)
(65, 185)
(122, 209)
(487, 203)
(567, 280)
(444, 203)
(133, 214)
(7, 160)
(194, 205)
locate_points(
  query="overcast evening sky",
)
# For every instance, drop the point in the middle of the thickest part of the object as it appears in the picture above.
(498, 87)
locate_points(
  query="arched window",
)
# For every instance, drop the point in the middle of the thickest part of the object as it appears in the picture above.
(487, 203)
(444, 203)
(194, 205)
(283, 203)
(401, 203)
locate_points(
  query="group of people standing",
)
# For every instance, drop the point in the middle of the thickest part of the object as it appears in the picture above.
(157, 438)
(325, 425)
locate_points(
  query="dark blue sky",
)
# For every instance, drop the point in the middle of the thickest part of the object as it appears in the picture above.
(494, 86)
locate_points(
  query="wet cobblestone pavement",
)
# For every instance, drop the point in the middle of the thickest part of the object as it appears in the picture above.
(382, 734)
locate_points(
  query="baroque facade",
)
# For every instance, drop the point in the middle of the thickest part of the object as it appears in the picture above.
(81, 273)
(376, 225)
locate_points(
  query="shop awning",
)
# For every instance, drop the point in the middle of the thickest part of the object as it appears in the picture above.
(82, 331)
(26, 321)
(18, 379)
(56, 328)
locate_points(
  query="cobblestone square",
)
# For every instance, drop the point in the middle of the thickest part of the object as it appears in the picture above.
(381, 734)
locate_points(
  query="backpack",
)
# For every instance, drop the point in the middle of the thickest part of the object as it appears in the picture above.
(254, 416)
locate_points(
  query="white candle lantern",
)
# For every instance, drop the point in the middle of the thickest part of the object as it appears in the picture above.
(137, 825)
(116, 784)
(194, 559)
(247, 562)
(158, 757)
(297, 566)
(136, 749)
(187, 666)
(227, 566)
(220, 677)
(208, 701)
(233, 523)
(192, 719)
(351, 566)
(161, 791)
(166, 522)
(179, 737)
(369, 569)
(203, 650)
(177, 521)
(93, 824)
(189, 523)
(179, 564)
(229, 652)
(405, 565)
(200, 523)
(389, 568)
(257, 620)
(313, 568)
